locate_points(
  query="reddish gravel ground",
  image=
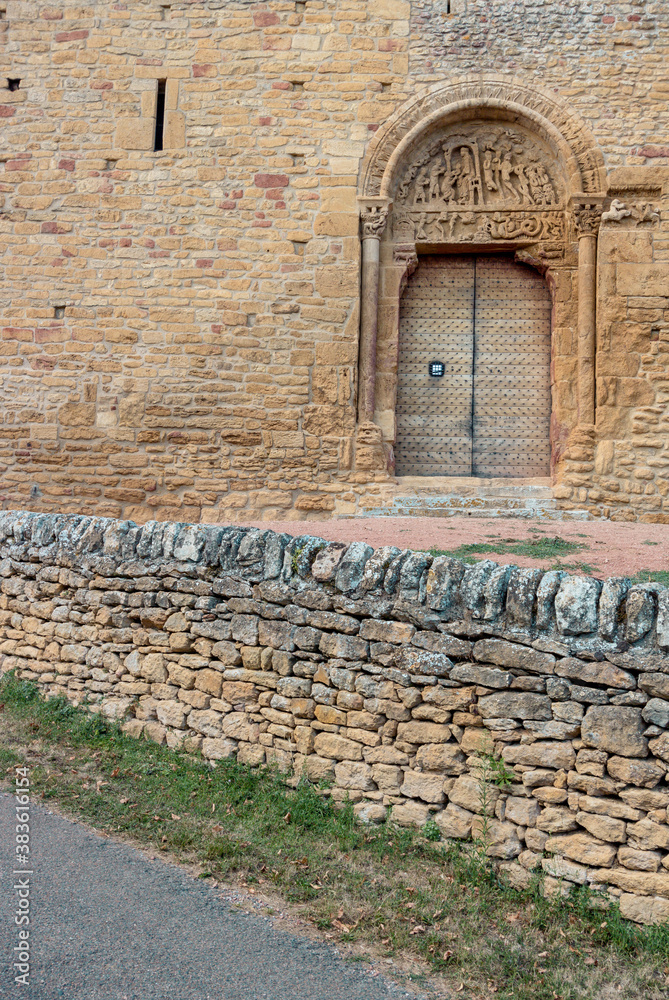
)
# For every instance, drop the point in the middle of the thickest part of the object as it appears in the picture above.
(609, 548)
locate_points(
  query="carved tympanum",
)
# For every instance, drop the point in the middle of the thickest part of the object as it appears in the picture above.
(483, 183)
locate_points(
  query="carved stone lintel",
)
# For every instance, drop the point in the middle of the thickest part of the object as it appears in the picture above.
(373, 221)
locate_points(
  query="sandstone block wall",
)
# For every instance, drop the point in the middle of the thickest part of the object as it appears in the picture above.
(179, 327)
(386, 673)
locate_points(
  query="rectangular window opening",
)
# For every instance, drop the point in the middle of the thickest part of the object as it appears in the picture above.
(160, 115)
(298, 86)
(3, 14)
(300, 6)
(13, 83)
(58, 312)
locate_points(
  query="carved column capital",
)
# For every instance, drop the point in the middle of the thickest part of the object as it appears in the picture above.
(373, 217)
(587, 215)
(373, 223)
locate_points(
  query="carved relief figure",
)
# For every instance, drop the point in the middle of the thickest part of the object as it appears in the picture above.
(629, 216)
(617, 212)
(508, 172)
(485, 182)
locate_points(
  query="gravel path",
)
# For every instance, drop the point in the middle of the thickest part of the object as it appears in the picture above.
(108, 923)
(612, 548)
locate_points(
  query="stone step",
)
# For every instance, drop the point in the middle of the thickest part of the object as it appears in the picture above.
(450, 497)
(470, 486)
(464, 507)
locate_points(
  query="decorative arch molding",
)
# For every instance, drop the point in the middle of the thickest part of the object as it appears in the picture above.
(506, 98)
(557, 233)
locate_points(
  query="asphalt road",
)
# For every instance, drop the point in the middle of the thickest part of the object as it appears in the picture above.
(108, 923)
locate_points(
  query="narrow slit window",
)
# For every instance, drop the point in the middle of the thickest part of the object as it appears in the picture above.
(160, 115)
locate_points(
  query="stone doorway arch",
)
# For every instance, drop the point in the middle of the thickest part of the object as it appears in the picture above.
(478, 165)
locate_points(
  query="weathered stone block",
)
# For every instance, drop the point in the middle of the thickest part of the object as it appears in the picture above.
(428, 787)
(370, 812)
(209, 681)
(423, 732)
(644, 909)
(510, 654)
(172, 713)
(469, 793)
(423, 661)
(616, 729)
(346, 647)
(521, 811)
(644, 773)
(388, 777)
(556, 819)
(576, 605)
(540, 754)
(603, 673)
(648, 835)
(386, 631)
(337, 747)
(218, 748)
(410, 813)
(603, 827)
(472, 673)
(583, 848)
(444, 758)
(515, 705)
(206, 722)
(640, 861)
(455, 822)
(354, 774)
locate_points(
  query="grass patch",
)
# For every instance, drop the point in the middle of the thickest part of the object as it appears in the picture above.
(652, 576)
(535, 548)
(402, 893)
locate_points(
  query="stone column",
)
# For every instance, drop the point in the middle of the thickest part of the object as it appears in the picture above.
(374, 216)
(588, 216)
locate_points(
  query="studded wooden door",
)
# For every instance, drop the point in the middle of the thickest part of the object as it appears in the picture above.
(484, 321)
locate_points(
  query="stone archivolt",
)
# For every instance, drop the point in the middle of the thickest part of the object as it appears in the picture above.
(495, 97)
(480, 184)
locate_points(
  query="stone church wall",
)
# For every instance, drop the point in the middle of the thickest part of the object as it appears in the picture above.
(392, 675)
(179, 328)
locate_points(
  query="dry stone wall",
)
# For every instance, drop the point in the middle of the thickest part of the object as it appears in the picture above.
(385, 672)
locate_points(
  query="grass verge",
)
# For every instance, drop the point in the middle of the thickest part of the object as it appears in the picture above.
(401, 893)
(542, 547)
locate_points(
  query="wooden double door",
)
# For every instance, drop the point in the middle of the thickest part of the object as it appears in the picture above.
(473, 389)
